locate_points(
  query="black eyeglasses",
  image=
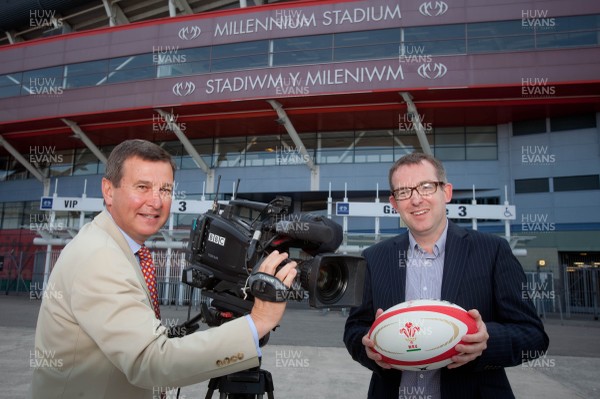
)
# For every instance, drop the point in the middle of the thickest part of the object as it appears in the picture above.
(425, 189)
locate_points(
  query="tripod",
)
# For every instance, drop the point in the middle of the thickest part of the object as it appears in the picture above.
(248, 384)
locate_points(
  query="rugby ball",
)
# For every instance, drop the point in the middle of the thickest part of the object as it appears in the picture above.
(420, 334)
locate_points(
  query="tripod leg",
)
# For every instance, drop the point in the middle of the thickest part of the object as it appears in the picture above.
(213, 384)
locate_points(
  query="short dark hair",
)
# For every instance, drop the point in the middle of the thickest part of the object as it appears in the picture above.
(416, 158)
(143, 149)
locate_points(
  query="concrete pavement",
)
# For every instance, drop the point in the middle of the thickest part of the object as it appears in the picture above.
(307, 359)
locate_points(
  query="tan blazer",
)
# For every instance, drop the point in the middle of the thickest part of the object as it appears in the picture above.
(97, 336)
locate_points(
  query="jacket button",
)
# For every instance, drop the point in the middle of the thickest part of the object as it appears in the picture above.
(240, 355)
(219, 363)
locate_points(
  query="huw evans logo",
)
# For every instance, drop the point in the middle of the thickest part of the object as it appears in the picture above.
(536, 290)
(537, 155)
(43, 154)
(408, 122)
(536, 222)
(411, 53)
(167, 55)
(412, 392)
(537, 19)
(43, 86)
(44, 19)
(537, 87)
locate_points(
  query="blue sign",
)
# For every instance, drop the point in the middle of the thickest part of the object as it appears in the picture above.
(46, 203)
(342, 208)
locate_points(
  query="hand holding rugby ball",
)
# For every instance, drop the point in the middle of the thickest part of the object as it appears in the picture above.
(420, 334)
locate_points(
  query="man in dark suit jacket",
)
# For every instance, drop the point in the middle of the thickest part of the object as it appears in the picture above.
(476, 271)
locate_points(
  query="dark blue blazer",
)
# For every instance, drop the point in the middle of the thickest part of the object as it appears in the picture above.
(480, 272)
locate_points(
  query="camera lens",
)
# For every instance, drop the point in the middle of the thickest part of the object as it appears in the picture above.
(326, 279)
(331, 282)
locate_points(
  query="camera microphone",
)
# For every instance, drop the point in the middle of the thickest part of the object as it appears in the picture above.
(314, 229)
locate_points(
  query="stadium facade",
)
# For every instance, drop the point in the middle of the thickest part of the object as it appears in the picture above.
(314, 100)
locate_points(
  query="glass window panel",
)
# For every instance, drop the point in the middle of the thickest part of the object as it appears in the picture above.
(86, 68)
(370, 37)
(449, 136)
(138, 67)
(11, 79)
(524, 186)
(175, 148)
(204, 147)
(61, 163)
(192, 61)
(15, 170)
(43, 81)
(450, 153)
(302, 57)
(450, 140)
(442, 32)
(85, 162)
(549, 40)
(303, 50)
(240, 49)
(196, 54)
(367, 45)
(13, 215)
(406, 142)
(481, 135)
(495, 29)
(534, 126)
(573, 183)
(374, 146)
(130, 62)
(106, 150)
(581, 22)
(303, 43)
(189, 68)
(86, 80)
(267, 151)
(507, 43)
(10, 84)
(4, 166)
(10, 91)
(390, 50)
(482, 153)
(229, 152)
(573, 122)
(375, 139)
(438, 47)
(336, 147)
(240, 63)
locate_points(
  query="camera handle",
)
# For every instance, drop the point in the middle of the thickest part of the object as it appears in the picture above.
(266, 287)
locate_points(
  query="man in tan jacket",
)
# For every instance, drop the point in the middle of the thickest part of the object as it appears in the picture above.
(100, 338)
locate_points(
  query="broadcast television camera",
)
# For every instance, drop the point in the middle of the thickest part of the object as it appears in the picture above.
(227, 244)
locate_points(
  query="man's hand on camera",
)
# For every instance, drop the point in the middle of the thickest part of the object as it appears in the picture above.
(266, 315)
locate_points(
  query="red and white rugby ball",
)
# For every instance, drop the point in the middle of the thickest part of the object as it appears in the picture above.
(421, 334)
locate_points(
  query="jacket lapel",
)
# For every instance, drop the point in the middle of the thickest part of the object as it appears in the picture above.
(400, 259)
(455, 261)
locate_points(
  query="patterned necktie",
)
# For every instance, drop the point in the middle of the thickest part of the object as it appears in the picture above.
(149, 273)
